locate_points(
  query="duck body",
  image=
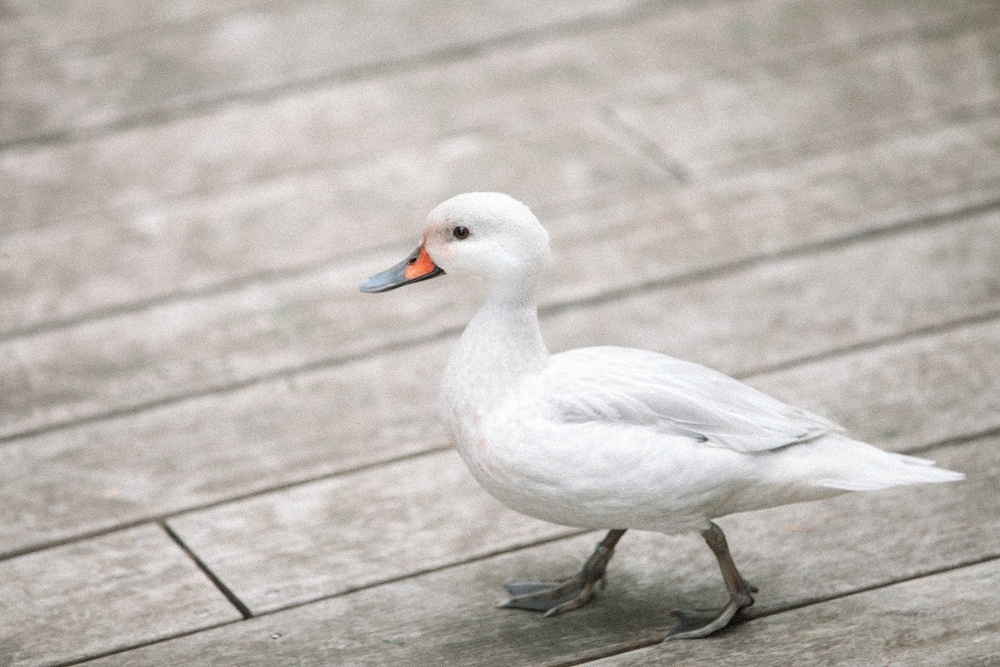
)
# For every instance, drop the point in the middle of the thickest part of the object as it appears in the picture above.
(611, 437)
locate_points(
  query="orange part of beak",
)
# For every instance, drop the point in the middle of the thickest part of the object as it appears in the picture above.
(419, 265)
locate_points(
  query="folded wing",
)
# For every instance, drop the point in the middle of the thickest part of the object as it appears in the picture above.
(638, 388)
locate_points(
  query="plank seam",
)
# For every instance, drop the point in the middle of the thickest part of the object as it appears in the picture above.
(888, 230)
(569, 533)
(569, 661)
(162, 517)
(926, 448)
(139, 645)
(388, 66)
(226, 591)
(627, 647)
(446, 55)
(861, 346)
(984, 203)
(633, 136)
(874, 587)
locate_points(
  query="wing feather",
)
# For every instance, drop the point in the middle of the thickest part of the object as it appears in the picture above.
(639, 388)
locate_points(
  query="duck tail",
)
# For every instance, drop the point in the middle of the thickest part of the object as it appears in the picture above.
(863, 467)
(838, 463)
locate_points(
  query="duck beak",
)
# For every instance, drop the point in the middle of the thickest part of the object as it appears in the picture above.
(418, 266)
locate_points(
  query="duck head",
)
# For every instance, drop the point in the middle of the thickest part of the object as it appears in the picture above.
(485, 234)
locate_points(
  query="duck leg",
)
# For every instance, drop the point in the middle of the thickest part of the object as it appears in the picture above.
(557, 597)
(694, 624)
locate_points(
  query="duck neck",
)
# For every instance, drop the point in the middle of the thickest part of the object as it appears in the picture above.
(500, 347)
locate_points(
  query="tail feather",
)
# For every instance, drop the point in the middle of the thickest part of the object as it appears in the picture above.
(849, 465)
(900, 470)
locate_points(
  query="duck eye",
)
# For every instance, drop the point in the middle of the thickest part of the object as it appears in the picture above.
(460, 233)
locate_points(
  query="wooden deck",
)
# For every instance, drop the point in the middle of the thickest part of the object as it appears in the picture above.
(215, 451)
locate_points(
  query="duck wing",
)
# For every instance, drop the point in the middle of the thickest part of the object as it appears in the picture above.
(639, 388)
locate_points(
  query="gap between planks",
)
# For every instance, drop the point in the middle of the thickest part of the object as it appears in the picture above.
(568, 661)
(628, 647)
(247, 614)
(226, 591)
(162, 519)
(893, 228)
(642, 9)
(174, 111)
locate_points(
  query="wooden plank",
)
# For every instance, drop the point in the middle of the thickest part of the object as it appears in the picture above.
(792, 307)
(168, 248)
(726, 37)
(214, 242)
(177, 67)
(946, 619)
(62, 23)
(103, 594)
(794, 554)
(420, 145)
(928, 375)
(429, 513)
(286, 226)
(99, 475)
(746, 119)
(119, 471)
(182, 65)
(217, 341)
(291, 546)
(140, 170)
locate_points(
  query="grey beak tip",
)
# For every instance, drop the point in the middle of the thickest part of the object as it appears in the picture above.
(373, 286)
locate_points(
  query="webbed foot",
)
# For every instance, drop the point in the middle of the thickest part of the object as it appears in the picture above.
(550, 597)
(703, 622)
(558, 597)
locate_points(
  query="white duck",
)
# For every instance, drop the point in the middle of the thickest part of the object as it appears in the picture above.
(612, 437)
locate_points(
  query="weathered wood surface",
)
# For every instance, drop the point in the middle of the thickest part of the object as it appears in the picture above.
(315, 542)
(941, 619)
(798, 555)
(100, 595)
(301, 190)
(206, 56)
(201, 418)
(201, 451)
(205, 343)
(950, 620)
(300, 129)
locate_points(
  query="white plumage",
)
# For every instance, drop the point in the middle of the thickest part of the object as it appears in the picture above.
(612, 437)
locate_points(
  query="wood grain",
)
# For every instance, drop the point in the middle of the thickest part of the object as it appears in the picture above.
(782, 112)
(101, 595)
(248, 542)
(796, 554)
(945, 619)
(183, 65)
(318, 177)
(803, 193)
(336, 418)
(213, 342)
